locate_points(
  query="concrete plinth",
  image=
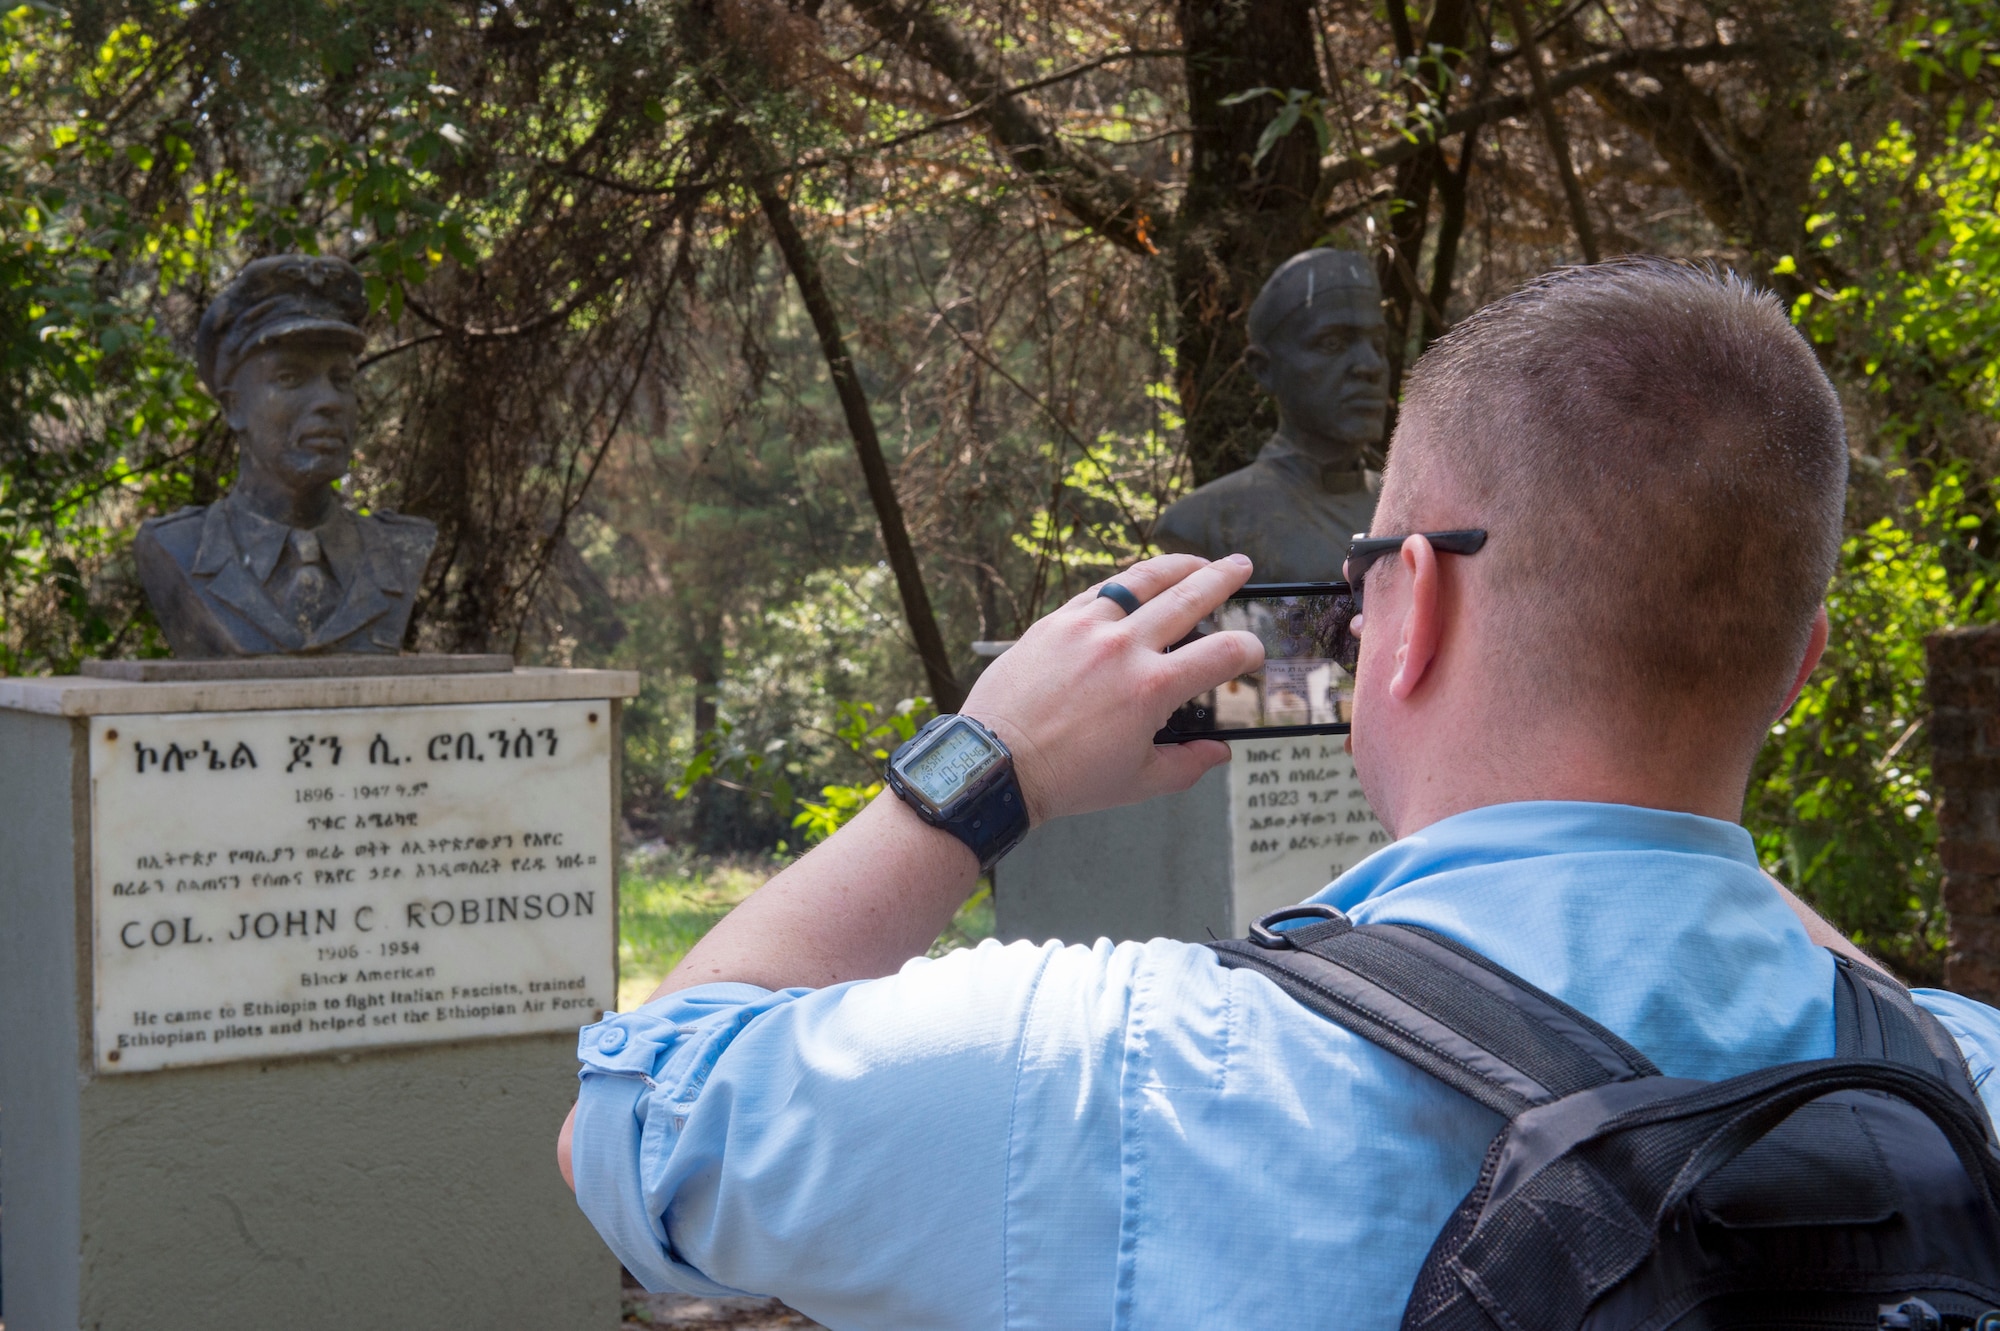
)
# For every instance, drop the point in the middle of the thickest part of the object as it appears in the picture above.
(393, 1174)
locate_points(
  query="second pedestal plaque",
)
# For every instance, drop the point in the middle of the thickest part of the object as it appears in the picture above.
(1297, 821)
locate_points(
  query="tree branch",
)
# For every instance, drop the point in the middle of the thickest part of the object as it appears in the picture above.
(1106, 201)
(1552, 126)
(804, 264)
(1595, 69)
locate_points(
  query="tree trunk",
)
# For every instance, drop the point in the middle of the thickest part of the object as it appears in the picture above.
(804, 264)
(1451, 229)
(701, 649)
(1237, 221)
(1410, 213)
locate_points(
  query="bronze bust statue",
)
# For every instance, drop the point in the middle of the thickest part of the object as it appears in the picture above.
(1317, 346)
(280, 566)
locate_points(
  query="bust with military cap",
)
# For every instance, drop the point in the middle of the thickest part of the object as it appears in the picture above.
(1317, 346)
(280, 566)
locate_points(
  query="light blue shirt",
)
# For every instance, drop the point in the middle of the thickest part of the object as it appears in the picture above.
(1132, 1136)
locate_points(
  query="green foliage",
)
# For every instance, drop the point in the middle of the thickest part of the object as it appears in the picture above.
(666, 902)
(1294, 105)
(1936, 317)
(971, 924)
(91, 387)
(668, 899)
(872, 740)
(1840, 804)
(863, 738)
(1110, 494)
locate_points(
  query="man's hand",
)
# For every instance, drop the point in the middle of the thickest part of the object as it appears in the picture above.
(1080, 696)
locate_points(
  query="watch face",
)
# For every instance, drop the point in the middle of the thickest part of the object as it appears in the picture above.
(956, 759)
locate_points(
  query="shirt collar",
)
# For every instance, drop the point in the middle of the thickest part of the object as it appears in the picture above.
(1503, 833)
(1660, 925)
(262, 540)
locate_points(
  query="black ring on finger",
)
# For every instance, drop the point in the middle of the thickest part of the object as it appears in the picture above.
(1120, 596)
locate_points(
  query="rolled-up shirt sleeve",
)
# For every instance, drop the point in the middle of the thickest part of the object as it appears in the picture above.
(843, 1148)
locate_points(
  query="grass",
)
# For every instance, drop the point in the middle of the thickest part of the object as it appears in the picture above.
(667, 900)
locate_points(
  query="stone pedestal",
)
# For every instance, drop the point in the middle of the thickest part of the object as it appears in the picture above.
(290, 972)
(1280, 821)
(1964, 687)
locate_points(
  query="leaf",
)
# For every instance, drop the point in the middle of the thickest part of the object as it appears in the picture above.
(1248, 94)
(1322, 131)
(1281, 125)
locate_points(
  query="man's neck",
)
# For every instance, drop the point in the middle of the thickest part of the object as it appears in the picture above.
(268, 498)
(1469, 769)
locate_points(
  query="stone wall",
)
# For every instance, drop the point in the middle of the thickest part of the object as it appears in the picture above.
(1965, 774)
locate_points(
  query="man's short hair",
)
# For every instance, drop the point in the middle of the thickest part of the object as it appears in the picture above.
(1662, 466)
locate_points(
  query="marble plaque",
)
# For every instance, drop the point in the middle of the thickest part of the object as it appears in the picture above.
(1297, 821)
(274, 883)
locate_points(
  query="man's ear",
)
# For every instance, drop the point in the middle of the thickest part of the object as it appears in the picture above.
(1258, 361)
(1423, 625)
(1815, 647)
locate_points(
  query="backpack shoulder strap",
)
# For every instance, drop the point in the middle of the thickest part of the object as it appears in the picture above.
(1875, 1017)
(1474, 1025)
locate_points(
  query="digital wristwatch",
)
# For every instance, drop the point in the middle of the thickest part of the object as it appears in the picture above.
(958, 776)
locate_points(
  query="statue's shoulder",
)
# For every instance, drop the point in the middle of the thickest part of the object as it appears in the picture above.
(404, 541)
(176, 535)
(1209, 509)
(399, 529)
(188, 515)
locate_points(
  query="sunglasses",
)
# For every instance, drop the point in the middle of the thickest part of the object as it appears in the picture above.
(1366, 550)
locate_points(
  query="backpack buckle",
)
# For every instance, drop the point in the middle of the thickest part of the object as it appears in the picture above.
(1263, 935)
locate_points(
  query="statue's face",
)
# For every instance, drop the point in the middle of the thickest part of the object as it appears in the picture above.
(292, 407)
(1328, 367)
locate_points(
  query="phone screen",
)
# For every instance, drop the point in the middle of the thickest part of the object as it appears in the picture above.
(1306, 686)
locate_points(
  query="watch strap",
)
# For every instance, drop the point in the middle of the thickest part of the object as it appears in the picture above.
(994, 825)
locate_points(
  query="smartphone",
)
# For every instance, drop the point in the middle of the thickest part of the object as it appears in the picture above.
(1306, 685)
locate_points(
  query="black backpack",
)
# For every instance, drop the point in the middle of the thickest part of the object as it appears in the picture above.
(1857, 1191)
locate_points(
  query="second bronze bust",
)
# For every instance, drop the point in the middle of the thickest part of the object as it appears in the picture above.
(280, 566)
(1317, 346)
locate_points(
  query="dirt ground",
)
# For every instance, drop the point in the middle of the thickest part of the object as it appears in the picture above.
(652, 1312)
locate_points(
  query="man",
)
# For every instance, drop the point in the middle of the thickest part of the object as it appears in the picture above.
(1559, 728)
(280, 566)
(1316, 345)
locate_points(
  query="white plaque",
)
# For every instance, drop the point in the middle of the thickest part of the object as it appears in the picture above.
(272, 883)
(1297, 821)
